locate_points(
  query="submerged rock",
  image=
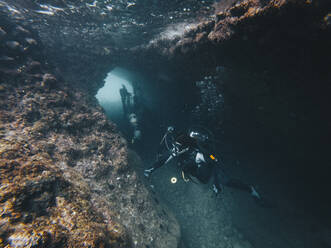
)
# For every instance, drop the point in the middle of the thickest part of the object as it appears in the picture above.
(13, 44)
(34, 67)
(31, 41)
(66, 175)
(51, 199)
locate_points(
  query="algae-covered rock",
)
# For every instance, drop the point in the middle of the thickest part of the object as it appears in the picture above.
(55, 180)
(66, 179)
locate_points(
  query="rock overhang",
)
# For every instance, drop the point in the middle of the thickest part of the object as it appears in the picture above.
(85, 43)
(98, 30)
(256, 36)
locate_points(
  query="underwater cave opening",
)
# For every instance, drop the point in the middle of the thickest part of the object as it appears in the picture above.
(140, 106)
(109, 96)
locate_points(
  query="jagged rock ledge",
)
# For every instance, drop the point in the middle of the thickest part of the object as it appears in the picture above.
(290, 36)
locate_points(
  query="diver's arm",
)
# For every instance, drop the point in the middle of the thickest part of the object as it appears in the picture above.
(164, 159)
(182, 151)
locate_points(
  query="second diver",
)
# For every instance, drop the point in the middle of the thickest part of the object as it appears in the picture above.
(195, 160)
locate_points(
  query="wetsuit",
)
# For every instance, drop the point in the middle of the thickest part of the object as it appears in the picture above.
(197, 163)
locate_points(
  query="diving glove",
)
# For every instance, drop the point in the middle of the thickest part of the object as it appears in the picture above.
(215, 189)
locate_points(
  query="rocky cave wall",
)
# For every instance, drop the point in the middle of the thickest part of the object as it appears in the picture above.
(67, 176)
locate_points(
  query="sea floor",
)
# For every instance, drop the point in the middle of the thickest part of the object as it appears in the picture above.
(233, 219)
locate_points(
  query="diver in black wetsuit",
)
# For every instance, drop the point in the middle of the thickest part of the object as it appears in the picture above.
(126, 100)
(130, 107)
(196, 161)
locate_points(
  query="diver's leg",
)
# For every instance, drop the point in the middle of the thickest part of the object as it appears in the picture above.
(217, 185)
(220, 177)
(238, 184)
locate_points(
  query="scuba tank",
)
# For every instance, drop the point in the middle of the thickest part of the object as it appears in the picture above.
(205, 141)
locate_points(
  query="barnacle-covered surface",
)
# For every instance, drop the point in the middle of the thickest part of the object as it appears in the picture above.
(66, 175)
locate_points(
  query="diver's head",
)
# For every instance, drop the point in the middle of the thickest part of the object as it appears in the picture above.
(170, 129)
(133, 118)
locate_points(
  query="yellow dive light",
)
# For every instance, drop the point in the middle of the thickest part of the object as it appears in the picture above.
(173, 180)
(212, 156)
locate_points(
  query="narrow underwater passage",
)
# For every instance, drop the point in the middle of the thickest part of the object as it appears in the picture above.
(214, 130)
(109, 96)
(231, 218)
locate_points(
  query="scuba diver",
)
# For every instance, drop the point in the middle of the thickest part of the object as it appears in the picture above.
(195, 159)
(130, 107)
(126, 100)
